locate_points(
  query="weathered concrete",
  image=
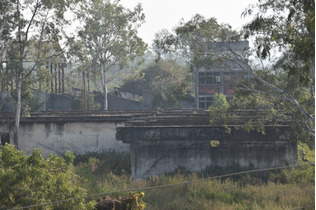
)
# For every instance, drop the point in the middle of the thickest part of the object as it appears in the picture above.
(76, 131)
(78, 137)
(79, 132)
(160, 149)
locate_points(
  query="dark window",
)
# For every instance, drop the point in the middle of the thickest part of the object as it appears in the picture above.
(234, 78)
(227, 78)
(209, 78)
(5, 138)
(205, 102)
(202, 78)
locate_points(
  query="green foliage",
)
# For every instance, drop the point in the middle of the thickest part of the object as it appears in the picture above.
(104, 171)
(304, 174)
(192, 37)
(282, 24)
(219, 111)
(263, 105)
(168, 81)
(278, 26)
(32, 180)
(261, 190)
(108, 41)
(133, 201)
(226, 194)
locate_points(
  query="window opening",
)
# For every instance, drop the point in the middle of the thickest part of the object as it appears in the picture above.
(5, 138)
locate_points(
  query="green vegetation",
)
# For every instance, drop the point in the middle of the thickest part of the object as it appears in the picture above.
(166, 80)
(30, 180)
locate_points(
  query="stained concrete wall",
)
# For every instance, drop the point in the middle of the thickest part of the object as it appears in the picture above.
(78, 137)
(156, 150)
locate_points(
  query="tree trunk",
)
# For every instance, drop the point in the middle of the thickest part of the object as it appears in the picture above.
(18, 112)
(1, 80)
(59, 79)
(55, 72)
(105, 87)
(63, 78)
(84, 107)
(88, 92)
(51, 78)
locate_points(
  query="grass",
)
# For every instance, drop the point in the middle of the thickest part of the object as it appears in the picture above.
(282, 189)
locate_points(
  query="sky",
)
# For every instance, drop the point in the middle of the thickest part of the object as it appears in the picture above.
(165, 14)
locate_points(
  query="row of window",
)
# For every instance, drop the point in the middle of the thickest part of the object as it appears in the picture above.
(205, 102)
(209, 78)
(214, 78)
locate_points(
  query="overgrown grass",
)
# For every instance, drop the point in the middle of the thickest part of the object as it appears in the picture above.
(283, 189)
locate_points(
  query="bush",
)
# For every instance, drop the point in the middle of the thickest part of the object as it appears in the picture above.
(33, 180)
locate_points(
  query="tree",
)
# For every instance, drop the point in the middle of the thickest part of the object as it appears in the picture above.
(291, 83)
(191, 38)
(28, 24)
(287, 27)
(109, 36)
(34, 180)
(219, 110)
(168, 81)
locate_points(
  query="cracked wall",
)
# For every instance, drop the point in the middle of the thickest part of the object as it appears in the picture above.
(156, 150)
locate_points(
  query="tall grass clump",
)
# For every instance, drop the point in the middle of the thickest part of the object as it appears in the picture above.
(281, 189)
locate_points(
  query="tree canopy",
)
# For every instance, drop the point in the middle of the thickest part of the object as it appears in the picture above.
(191, 37)
(25, 26)
(109, 37)
(166, 80)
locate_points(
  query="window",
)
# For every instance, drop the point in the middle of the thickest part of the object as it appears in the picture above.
(227, 78)
(230, 78)
(5, 138)
(209, 78)
(205, 102)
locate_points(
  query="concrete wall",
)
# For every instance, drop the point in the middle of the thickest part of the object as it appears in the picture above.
(78, 137)
(156, 150)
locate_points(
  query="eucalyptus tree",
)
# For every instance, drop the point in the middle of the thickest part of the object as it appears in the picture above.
(285, 31)
(109, 36)
(28, 24)
(190, 39)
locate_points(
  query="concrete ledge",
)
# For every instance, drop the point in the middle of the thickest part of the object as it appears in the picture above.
(200, 133)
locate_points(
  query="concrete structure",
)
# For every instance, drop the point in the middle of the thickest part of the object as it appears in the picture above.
(159, 141)
(163, 144)
(156, 150)
(222, 74)
(59, 132)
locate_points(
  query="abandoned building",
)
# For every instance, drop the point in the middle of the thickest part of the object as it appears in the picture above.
(159, 141)
(167, 141)
(222, 74)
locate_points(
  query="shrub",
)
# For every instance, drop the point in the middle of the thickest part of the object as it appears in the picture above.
(33, 180)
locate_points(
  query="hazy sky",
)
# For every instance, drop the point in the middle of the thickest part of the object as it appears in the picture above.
(162, 14)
